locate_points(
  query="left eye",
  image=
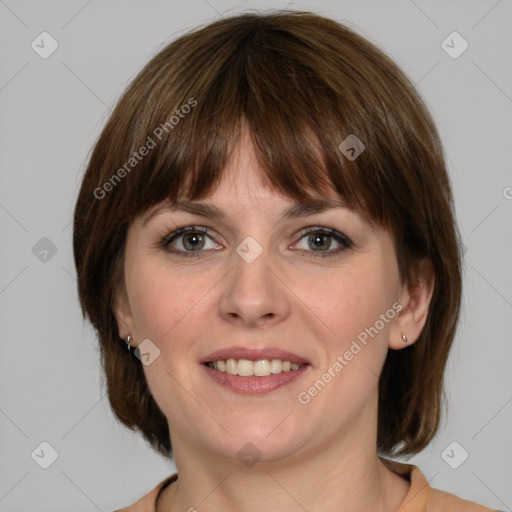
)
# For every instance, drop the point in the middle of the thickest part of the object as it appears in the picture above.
(320, 240)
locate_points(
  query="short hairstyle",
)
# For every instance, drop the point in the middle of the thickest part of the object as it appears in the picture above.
(301, 84)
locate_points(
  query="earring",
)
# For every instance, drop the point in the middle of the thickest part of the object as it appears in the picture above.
(404, 338)
(128, 341)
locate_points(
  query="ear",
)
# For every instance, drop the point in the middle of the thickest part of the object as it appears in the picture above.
(415, 301)
(122, 312)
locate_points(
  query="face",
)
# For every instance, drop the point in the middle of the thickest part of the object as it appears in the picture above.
(323, 287)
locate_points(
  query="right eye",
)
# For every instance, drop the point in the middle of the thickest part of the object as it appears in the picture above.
(192, 240)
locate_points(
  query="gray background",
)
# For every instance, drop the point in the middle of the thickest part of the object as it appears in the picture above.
(52, 112)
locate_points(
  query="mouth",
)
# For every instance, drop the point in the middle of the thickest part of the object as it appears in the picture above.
(256, 371)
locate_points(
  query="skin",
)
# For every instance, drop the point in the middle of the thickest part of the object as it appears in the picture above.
(318, 456)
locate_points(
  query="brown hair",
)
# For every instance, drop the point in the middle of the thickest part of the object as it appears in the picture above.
(301, 83)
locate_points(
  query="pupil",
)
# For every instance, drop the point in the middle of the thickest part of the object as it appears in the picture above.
(194, 236)
(317, 240)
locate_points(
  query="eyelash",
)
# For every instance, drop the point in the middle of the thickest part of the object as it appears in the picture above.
(342, 239)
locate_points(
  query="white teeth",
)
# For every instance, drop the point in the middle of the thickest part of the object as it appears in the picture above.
(260, 368)
(231, 367)
(245, 368)
(276, 366)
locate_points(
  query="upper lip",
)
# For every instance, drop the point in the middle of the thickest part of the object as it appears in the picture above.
(253, 354)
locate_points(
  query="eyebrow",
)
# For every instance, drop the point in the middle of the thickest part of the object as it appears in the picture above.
(301, 209)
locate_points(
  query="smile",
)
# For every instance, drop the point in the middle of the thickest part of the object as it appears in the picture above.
(260, 368)
(254, 377)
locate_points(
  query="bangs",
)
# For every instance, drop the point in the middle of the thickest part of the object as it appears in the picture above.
(268, 84)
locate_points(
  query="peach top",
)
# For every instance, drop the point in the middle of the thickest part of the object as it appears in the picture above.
(420, 498)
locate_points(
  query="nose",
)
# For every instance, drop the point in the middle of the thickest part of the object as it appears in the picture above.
(254, 293)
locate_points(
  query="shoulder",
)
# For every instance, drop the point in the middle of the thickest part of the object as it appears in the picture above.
(423, 498)
(148, 502)
(441, 501)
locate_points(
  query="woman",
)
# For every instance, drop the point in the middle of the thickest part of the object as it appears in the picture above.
(265, 242)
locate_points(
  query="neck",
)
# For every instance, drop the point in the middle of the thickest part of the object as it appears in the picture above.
(341, 474)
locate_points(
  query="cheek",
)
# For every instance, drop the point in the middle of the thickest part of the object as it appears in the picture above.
(353, 330)
(167, 301)
(348, 301)
(158, 298)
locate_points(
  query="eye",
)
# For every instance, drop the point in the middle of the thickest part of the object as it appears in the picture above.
(189, 241)
(319, 240)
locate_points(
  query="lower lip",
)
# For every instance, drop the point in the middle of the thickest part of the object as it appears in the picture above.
(255, 385)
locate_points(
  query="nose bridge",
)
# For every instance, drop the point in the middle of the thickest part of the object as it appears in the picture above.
(253, 293)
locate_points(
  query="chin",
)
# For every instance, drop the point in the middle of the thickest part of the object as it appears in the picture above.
(267, 440)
